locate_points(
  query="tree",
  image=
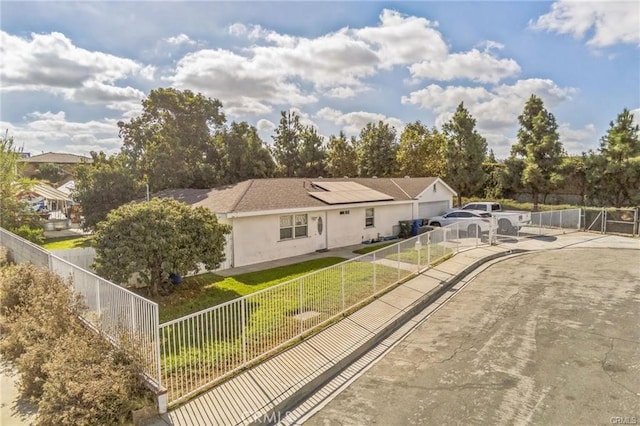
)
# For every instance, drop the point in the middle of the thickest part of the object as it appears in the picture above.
(311, 154)
(50, 172)
(103, 185)
(341, 156)
(538, 148)
(574, 176)
(287, 144)
(421, 151)
(614, 173)
(158, 238)
(15, 215)
(245, 156)
(466, 151)
(171, 144)
(376, 150)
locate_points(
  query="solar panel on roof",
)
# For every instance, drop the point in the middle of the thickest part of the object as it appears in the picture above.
(347, 192)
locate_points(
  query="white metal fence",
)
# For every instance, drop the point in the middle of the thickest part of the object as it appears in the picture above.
(204, 347)
(189, 354)
(110, 308)
(546, 223)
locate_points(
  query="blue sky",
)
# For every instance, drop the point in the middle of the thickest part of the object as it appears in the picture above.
(71, 70)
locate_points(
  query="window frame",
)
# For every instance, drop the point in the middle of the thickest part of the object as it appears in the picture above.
(296, 223)
(369, 218)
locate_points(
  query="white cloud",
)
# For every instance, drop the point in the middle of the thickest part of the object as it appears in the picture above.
(51, 131)
(402, 39)
(577, 141)
(353, 122)
(237, 29)
(472, 65)
(180, 39)
(52, 63)
(264, 125)
(494, 109)
(244, 85)
(607, 22)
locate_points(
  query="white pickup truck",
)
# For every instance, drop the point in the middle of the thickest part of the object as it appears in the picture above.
(509, 221)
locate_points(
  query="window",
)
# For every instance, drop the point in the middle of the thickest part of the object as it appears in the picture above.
(344, 212)
(293, 226)
(369, 220)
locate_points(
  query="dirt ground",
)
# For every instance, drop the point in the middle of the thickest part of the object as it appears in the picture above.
(546, 338)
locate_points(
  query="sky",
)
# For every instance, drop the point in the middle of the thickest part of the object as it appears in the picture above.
(69, 71)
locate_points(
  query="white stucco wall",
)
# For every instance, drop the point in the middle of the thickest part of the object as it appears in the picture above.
(442, 193)
(345, 230)
(257, 239)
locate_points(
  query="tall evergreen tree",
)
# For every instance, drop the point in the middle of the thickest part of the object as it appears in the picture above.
(376, 150)
(287, 144)
(614, 173)
(466, 151)
(539, 149)
(341, 156)
(244, 154)
(312, 154)
(421, 151)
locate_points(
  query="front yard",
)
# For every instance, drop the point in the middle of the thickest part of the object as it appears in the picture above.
(207, 290)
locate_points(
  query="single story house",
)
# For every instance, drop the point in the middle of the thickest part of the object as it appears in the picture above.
(278, 218)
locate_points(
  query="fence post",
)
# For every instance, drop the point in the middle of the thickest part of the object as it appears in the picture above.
(134, 319)
(635, 222)
(343, 294)
(561, 227)
(604, 221)
(429, 248)
(98, 296)
(301, 296)
(399, 261)
(243, 317)
(375, 278)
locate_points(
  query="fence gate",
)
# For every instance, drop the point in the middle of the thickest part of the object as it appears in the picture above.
(616, 221)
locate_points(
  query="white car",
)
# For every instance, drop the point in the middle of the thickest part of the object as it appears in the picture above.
(472, 221)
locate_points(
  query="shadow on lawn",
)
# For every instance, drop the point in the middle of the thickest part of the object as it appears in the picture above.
(284, 273)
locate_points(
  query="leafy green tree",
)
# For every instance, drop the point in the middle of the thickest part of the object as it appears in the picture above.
(614, 172)
(245, 156)
(466, 151)
(376, 150)
(421, 151)
(103, 185)
(157, 238)
(50, 172)
(496, 176)
(312, 154)
(341, 156)
(539, 149)
(16, 215)
(286, 144)
(574, 176)
(171, 144)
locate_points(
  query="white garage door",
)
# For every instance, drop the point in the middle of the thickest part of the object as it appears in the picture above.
(433, 208)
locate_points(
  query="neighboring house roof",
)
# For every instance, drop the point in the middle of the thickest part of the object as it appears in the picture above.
(288, 193)
(48, 192)
(57, 158)
(68, 187)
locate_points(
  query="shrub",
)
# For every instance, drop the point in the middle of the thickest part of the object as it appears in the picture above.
(75, 376)
(88, 383)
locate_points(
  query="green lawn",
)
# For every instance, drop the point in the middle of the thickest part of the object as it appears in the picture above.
(206, 290)
(374, 247)
(61, 243)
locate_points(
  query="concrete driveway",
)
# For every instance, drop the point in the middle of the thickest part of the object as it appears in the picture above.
(549, 338)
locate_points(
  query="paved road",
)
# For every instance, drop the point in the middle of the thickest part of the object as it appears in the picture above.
(548, 338)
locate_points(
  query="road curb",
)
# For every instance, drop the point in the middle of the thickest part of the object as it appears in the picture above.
(309, 388)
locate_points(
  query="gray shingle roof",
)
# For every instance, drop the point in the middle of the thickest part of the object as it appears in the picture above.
(57, 158)
(286, 193)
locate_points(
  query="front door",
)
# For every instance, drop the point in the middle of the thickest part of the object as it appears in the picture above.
(321, 232)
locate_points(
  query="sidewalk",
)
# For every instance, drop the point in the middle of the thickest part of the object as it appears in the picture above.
(266, 392)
